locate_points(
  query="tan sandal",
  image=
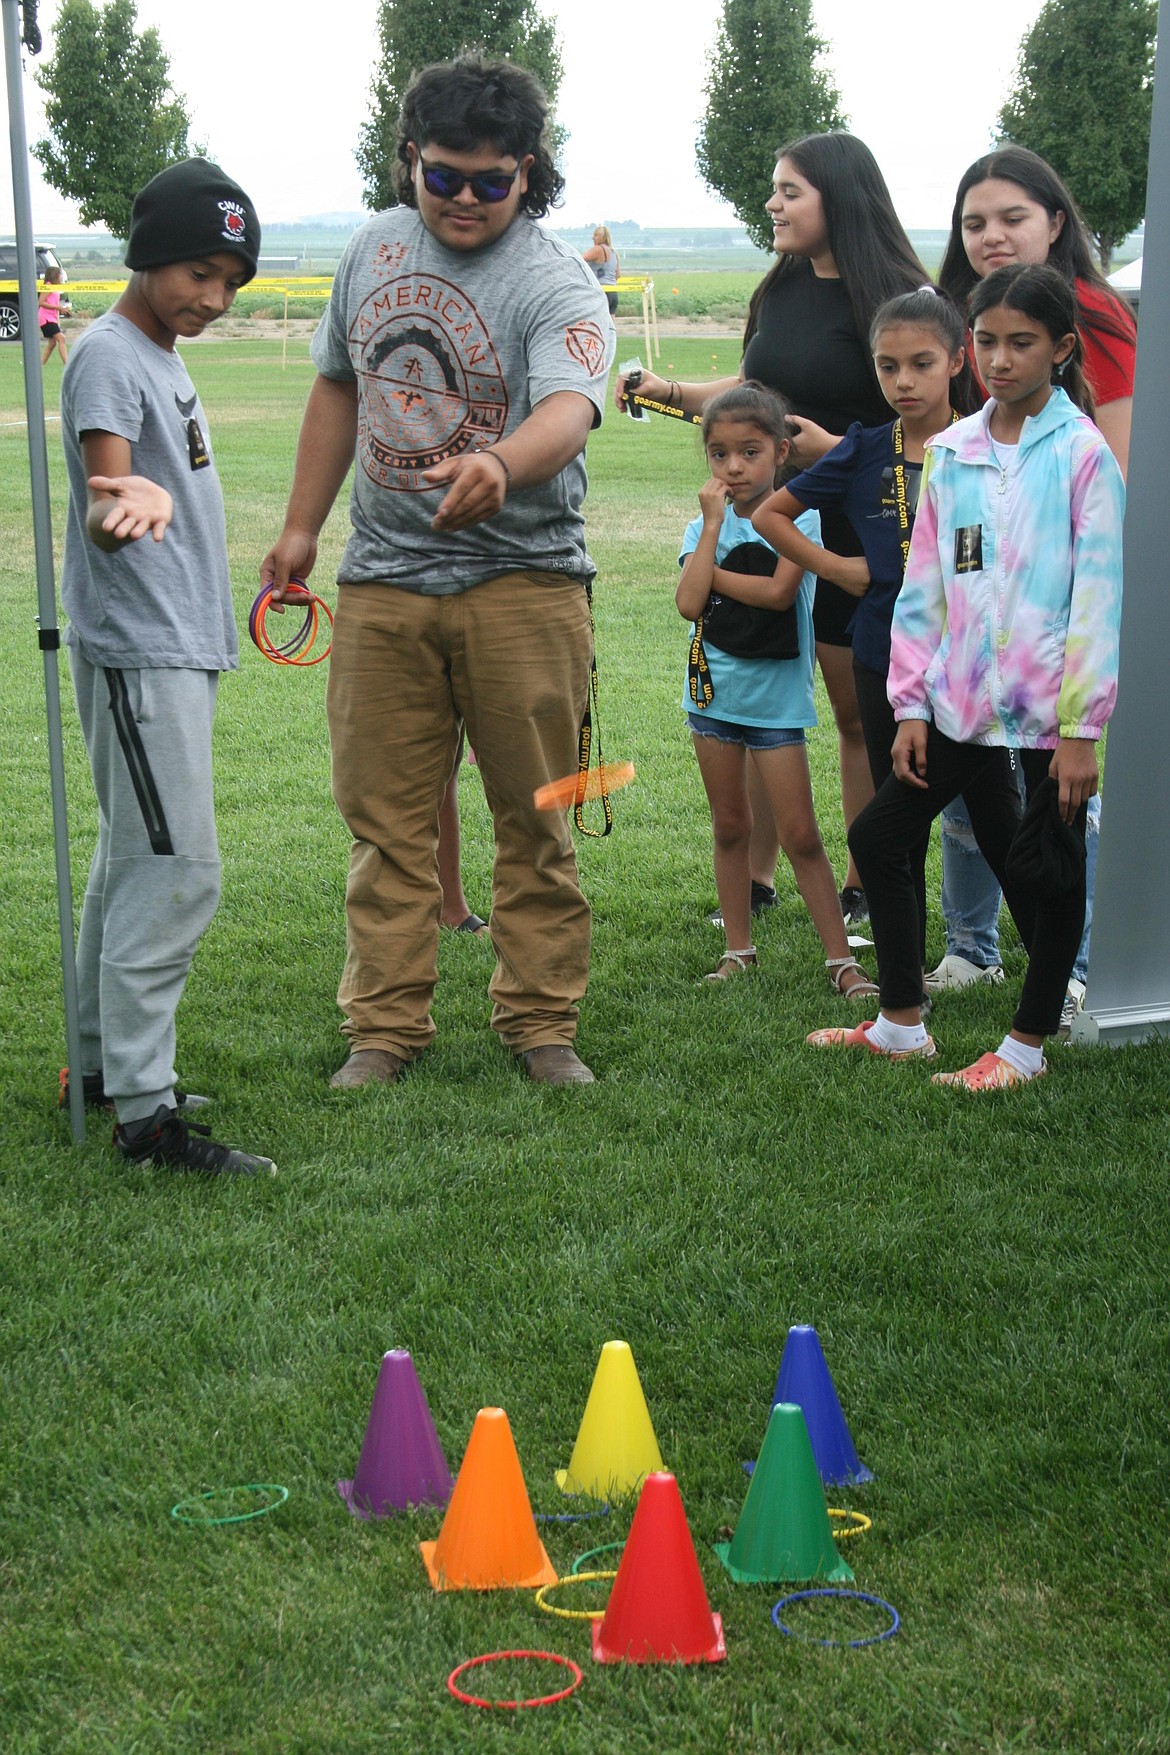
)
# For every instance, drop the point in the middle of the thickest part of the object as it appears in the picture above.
(839, 968)
(733, 963)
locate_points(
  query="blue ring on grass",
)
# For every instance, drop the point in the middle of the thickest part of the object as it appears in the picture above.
(178, 1512)
(570, 1516)
(860, 1596)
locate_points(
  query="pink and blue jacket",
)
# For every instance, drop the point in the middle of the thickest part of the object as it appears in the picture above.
(1006, 627)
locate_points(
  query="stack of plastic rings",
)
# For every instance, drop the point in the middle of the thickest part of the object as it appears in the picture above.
(297, 649)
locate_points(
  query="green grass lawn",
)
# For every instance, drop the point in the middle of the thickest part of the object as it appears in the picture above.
(988, 1277)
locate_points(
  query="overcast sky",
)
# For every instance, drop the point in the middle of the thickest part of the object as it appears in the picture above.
(277, 93)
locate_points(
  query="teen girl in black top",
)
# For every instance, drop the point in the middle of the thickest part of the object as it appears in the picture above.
(841, 253)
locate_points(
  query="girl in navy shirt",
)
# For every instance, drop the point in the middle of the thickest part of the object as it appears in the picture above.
(873, 475)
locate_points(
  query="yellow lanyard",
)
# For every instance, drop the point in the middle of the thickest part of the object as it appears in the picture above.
(900, 487)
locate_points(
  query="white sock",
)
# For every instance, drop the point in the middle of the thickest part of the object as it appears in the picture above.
(1025, 1060)
(896, 1037)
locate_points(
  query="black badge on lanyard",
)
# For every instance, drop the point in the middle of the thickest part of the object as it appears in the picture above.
(197, 450)
(969, 549)
(197, 446)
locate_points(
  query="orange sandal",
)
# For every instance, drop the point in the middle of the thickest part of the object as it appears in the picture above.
(988, 1073)
(858, 1037)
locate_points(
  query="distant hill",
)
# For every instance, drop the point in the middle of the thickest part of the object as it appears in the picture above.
(314, 245)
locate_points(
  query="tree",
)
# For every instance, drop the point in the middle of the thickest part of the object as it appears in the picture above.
(415, 33)
(764, 86)
(1082, 100)
(113, 118)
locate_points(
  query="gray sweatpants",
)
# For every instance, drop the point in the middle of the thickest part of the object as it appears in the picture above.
(154, 882)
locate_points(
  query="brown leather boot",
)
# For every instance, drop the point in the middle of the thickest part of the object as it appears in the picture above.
(556, 1063)
(367, 1066)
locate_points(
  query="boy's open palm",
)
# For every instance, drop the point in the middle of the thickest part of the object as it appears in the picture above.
(125, 508)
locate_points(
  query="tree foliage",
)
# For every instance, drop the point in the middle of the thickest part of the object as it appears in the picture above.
(1082, 100)
(113, 118)
(415, 33)
(765, 85)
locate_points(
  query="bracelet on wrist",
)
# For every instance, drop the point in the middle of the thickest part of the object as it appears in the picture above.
(490, 451)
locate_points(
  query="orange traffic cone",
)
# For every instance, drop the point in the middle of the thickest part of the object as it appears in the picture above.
(488, 1540)
(658, 1610)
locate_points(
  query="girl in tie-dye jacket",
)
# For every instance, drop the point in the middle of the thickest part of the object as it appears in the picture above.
(1004, 639)
(1006, 628)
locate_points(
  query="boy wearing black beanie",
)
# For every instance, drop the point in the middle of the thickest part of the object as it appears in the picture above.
(150, 629)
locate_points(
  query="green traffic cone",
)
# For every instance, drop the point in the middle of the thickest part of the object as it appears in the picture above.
(783, 1535)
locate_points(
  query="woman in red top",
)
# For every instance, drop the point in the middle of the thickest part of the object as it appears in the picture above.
(1012, 207)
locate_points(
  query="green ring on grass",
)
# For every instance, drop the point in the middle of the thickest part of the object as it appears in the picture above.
(590, 1554)
(181, 1514)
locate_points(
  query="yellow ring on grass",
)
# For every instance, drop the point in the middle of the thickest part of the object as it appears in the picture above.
(858, 1527)
(571, 1614)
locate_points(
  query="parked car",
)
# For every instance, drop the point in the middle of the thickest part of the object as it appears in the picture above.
(10, 285)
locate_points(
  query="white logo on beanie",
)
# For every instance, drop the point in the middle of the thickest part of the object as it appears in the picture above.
(234, 225)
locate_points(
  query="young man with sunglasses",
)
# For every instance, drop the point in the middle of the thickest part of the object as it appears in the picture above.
(461, 366)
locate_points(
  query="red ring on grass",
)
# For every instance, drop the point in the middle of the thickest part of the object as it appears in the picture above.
(495, 1657)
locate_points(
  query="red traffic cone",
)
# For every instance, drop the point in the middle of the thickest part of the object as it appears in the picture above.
(658, 1610)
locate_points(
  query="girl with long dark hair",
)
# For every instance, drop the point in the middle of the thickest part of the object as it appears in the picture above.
(842, 252)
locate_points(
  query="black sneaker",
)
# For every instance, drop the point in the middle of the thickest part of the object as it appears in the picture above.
(763, 896)
(165, 1140)
(854, 907)
(93, 1091)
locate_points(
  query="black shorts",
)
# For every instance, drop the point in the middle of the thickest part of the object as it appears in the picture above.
(49, 330)
(834, 609)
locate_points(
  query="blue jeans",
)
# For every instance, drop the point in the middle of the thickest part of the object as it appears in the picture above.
(971, 896)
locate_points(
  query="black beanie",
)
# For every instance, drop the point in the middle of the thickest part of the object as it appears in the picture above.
(190, 210)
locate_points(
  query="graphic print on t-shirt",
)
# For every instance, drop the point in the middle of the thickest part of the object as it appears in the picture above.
(585, 345)
(432, 386)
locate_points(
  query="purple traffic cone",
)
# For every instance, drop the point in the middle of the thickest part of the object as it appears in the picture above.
(402, 1461)
(804, 1379)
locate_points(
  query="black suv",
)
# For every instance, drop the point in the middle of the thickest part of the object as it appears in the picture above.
(9, 303)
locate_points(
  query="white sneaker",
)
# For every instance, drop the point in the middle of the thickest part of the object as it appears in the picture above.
(955, 971)
(1074, 1002)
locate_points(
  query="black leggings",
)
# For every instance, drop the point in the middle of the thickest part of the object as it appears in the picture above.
(884, 840)
(880, 728)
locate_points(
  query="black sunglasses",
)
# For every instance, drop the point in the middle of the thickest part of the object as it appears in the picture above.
(446, 182)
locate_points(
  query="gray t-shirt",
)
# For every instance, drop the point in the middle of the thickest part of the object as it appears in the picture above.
(153, 605)
(451, 351)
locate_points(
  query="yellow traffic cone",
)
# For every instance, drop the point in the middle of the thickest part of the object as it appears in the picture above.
(616, 1447)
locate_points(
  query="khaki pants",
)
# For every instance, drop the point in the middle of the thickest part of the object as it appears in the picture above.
(511, 659)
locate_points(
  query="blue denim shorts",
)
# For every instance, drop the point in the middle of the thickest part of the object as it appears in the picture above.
(752, 737)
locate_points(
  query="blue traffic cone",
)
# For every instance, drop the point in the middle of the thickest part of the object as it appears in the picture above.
(804, 1379)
